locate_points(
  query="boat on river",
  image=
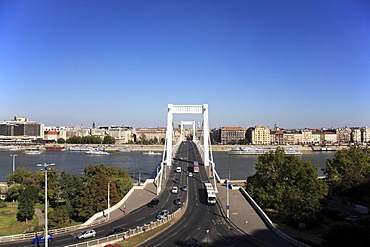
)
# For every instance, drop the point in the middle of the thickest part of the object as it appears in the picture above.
(33, 151)
(97, 151)
(81, 148)
(125, 149)
(9, 148)
(259, 150)
(152, 153)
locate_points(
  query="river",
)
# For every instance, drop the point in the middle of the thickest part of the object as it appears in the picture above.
(135, 163)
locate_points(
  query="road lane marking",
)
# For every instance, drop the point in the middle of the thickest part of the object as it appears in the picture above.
(140, 219)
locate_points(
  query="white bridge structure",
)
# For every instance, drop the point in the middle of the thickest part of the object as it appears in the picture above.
(171, 143)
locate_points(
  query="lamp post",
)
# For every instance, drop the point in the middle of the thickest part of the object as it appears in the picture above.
(14, 155)
(108, 199)
(207, 231)
(46, 234)
(228, 198)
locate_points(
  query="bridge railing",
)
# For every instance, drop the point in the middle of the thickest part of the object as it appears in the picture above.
(94, 220)
(21, 237)
(129, 233)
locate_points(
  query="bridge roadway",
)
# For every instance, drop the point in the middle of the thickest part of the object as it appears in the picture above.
(191, 229)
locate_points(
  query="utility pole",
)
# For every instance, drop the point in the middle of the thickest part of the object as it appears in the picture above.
(13, 163)
(108, 199)
(46, 234)
(228, 198)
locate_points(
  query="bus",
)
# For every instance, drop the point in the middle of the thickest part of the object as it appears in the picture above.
(211, 195)
(195, 167)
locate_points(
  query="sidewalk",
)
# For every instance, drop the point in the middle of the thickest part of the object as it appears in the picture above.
(246, 219)
(137, 199)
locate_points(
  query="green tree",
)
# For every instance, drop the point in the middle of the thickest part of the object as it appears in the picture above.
(109, 140)
(13, 193)
(60, 217)
(349, 168)
(20, 176)
(61, 141)
(26, 206)
(92, 197)
(346, 234)
(287, 184)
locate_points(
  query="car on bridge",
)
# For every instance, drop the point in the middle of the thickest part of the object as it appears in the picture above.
(41, 238)
(178, 201)
(86, 234)
(154, 202)
(116, 230)
(163, 214)
(174, 190)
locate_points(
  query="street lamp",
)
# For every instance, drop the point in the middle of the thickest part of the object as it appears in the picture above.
(14, 155)
(108, 198)
(46, 234)
(207, 231)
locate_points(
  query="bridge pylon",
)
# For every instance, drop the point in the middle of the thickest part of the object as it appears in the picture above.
(171, 144)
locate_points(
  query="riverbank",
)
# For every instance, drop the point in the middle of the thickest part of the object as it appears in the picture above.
(160, 148)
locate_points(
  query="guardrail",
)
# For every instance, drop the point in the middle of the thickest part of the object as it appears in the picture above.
(21, 237)
(96, 219)
(268, 222)
(128, 234)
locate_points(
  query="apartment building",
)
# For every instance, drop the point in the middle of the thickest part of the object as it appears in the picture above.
(356, 135)
(151, 133)
(343, 136)
(277, 137)
(365, 134)
(306, 137)
(230, 134)
(122, 134)
(259, 135)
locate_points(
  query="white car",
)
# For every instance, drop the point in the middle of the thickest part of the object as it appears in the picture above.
(86, 234)
(174, 190)
(163, 214)
(190, 174)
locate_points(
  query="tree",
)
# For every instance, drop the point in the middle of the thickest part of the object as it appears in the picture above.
(20, 176)
(109, 140)
(348, 169)
(346, 234)
(60, 217)
(13, 193)
(26, 206)
(287, 184)
(92, 196)
(61, 141)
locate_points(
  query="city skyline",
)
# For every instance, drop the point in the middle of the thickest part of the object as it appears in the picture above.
(291, 63)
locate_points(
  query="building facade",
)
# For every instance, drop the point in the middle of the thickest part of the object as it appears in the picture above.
(21, 130)
(231, 134)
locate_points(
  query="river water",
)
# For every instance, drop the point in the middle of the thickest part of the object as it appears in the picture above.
(137, 164)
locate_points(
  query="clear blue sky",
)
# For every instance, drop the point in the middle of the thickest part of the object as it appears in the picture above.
(303, 63)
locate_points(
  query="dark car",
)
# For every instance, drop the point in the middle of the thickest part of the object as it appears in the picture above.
(178, 201)
(175, 180)
(184, 188)
(154, 202)
(41, 239)
(116, 231)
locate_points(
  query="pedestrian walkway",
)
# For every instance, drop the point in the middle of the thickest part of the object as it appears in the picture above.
(139, 197)
(40, 215)
(246, 219)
